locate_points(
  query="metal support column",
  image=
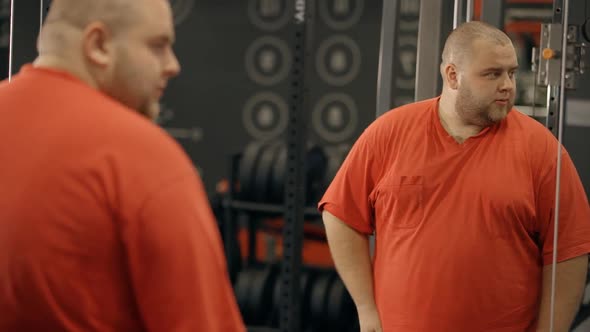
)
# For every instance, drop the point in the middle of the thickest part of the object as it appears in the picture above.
(458, 13)
(469, 11)
(492, 12)
(5, 8)
(429, 46)
(552, 37)
(386, 53)
(290, 303)
(10, 40)
(399, 32)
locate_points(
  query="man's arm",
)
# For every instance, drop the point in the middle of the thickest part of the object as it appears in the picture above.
(350, 251)
(570, 282)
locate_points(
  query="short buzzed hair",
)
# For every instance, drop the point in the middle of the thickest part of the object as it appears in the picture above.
(458, 45)
(81, 12)
(115, 14)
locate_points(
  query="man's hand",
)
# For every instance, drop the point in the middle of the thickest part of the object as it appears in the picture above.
(369, 319)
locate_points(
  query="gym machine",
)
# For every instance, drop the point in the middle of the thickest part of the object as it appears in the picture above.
(286, 179)
(559, 64)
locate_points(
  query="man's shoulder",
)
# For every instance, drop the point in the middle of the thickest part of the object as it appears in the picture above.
(101, 122)
(525, 120)
(528, 127)
(412, 110)
(132, 131)
(536, 139)
(403, 122)
(408, 115)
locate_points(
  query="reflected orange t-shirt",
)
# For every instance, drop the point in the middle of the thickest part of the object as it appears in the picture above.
(462, 230)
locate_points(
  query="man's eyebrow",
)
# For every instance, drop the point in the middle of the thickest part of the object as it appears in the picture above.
(513, 68)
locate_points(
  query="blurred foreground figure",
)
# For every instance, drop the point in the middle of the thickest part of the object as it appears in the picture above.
(104, 222)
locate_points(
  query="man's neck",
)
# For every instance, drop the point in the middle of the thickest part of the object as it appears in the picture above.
(453, 123)
(59, 63)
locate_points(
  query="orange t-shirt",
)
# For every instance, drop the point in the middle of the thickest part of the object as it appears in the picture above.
(104, 222)
(462, 230)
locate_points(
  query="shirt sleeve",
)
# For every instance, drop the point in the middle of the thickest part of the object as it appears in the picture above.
(349, 195)
(177, 265)
(574, 211)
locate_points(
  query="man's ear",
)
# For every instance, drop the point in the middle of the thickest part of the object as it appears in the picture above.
(452, 76)
(97, 44)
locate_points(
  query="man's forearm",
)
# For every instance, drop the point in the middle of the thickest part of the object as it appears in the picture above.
(350, 251)
(569, 289)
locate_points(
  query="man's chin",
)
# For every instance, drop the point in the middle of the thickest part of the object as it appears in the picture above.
(150, 111)
(498, 114)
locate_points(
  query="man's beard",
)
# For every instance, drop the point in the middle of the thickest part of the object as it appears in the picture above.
(150, 110)
(476, 112)
(124, 88)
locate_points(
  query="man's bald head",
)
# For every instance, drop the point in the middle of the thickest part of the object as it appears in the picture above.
(459, 45)
(66, 16)
(80, 13)
(122, 48)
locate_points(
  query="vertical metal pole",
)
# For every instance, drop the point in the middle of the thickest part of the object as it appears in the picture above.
(386, 51)
(385, 70)
(41, 9)
(10, 40)
(427, 61)
(469, 11)
(558, 167)
(492, 12)
(290, 303)
(457, 13)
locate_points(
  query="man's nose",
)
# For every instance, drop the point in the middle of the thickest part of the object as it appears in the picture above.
(506, 83)
(172, 67)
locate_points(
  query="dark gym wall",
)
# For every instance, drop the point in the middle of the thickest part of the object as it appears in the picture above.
(204, 106)
(26, 24)
(4, 37)
(345, 58)
(234, 83)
